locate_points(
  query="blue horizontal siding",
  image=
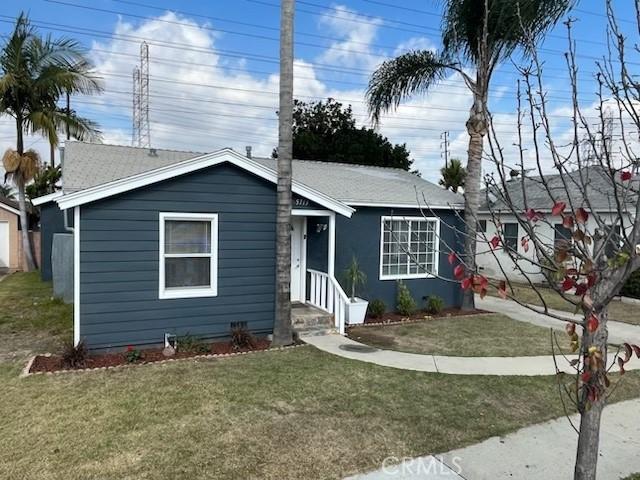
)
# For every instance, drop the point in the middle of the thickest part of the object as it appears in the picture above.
(119, 263)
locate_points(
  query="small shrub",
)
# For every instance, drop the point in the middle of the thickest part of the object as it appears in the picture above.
(377, 308)
(75, 356)
(132, 355)
(435, 304)
(631, 287)
(192, 344)
(242, 338)
(406, 305)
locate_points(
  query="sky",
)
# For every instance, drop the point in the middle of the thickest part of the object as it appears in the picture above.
(214, 69)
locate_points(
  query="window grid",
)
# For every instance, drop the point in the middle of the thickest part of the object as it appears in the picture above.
(408, 248)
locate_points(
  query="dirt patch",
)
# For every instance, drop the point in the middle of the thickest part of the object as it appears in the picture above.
(54, 363)
(419, 315)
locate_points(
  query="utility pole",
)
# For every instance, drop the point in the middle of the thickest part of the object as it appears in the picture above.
(444, 148)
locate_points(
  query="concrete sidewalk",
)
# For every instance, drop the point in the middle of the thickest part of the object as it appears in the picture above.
(540, 452)
(525, 366)
(618, 332)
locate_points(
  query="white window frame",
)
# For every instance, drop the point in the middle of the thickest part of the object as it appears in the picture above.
(436, 252)
(189, 292)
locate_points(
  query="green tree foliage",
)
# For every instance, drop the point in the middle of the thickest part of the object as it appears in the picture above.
(327, 131)
(44, 182)
(6, 191)
(453, 175)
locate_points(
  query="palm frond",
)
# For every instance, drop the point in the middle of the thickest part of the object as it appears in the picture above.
(403, 76)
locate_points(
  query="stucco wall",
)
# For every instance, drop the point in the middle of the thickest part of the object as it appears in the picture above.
(12, 220)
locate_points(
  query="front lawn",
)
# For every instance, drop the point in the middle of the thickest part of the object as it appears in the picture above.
(490, 335)
(31, 320)
(618, 311)
(294, 414)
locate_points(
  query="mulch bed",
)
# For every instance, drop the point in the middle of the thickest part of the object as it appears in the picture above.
(420, 315)
(54, 363)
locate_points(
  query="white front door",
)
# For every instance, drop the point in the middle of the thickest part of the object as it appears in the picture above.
(297, 259)
(4, 244)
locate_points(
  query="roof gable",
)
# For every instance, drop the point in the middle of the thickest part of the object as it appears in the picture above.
(172, 170)
(9, 205)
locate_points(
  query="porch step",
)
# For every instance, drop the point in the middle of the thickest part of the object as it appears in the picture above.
(308, 320)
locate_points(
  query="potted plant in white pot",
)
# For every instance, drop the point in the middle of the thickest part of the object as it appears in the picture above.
(357, 308)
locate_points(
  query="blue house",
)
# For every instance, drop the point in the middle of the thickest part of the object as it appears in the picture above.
(172, 242)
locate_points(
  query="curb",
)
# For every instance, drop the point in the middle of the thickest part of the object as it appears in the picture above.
(26, 373)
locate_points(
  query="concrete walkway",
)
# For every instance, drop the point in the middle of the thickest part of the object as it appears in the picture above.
(618, 332)
(524, 366)
(540, 452)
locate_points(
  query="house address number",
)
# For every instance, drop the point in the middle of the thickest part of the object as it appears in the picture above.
(301, 202)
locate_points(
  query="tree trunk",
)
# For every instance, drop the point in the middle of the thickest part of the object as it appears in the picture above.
(591, 412)
(282, 334)
(27, 252)
(476, 126)
(52, 154)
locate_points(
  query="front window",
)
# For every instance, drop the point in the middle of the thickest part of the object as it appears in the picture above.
(511, 236)
(188, 255)
(409, 247)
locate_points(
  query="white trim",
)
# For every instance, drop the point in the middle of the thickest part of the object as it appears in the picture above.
(9, 209)
(191, 165)
(47, 198)
(76, 276)
(331, 250)
(189, 292)
(300, 212)
(436, 241)
(303, 260)
(455, 206)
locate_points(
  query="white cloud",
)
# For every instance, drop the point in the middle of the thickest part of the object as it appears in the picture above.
(415, 43)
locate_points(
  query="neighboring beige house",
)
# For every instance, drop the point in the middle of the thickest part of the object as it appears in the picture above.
(10, 240)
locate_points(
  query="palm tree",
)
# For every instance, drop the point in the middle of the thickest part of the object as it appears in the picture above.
(282, 334)
(35, 73)
(453, 175)
(6, 191)
(476, 35)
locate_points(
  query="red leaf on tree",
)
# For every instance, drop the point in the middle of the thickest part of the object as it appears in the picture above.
(466, 283)
(494, 242)
(568, 283)
(636, 349)
(572, 271)
(452, 258)
(621, 365)
(581, 289)
(483, 293)
(567, 221)
(582, 216)
(628, 351)
(558, 208)
(570, 328)
(524, 241)
(458, 272)
(591, 279)
(592, 323)
(626, 176)
(532, 215)
(586, 376)
(502, 289)
(592, 394)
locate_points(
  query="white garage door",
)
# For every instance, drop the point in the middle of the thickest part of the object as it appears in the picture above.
(4, 244)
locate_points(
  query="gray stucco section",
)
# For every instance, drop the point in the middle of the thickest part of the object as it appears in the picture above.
(360, 236)
(119, 265)
(51, 222)
(62, 266)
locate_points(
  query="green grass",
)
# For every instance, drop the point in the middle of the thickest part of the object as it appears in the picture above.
(618, 311)
(489, 335)
(295, 414)
(31, 320)
(635, 476)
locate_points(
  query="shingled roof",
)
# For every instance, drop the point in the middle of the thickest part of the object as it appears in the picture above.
(598, 188)
(88, 165)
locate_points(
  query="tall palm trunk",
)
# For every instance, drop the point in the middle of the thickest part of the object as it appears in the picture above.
(27, 253)
(477, 129)
(282, 334)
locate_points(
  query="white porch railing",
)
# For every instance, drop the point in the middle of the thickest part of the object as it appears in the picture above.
(325, 293)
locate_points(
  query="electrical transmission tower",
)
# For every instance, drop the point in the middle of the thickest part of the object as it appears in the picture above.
(141, 127)
(444, 147)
